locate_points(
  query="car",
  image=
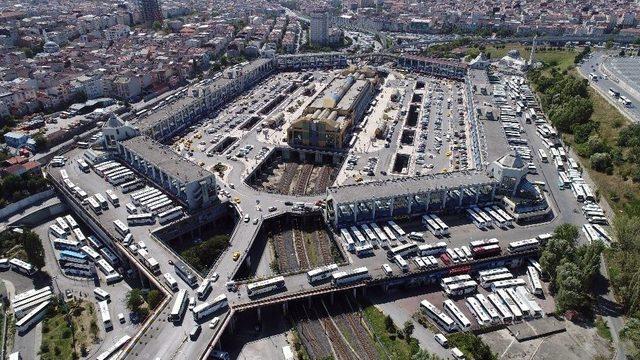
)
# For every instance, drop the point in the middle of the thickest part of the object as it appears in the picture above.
(247, 218)
(68, 293)
(195, 332)
(237, 200)
(214, 322)
(170, 262)
(255, 221)
(236, 256)
(231, 185)
(272, 208)
(192, 302)
(121, 318)
(288, 203)
(214, 277)
(442, 340)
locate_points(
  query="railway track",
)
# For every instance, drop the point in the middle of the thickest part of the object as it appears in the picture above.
(287, 176)
(286, 253)
(323, 179)
(298, 241)
(341, 349)
(324, 246)
(309, 336)
(303, 179)
(318, 335)
(353, 331)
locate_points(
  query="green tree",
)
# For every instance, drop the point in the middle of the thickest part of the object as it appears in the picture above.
(631, 334)
(407, 329)
(389, 325)
(34, 249)
(570, 286)
(424, 355)
(134, 300)
(154, 298)
(157, 25)
(601, 162)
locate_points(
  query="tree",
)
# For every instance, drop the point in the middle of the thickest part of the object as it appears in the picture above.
(407, 329)
(34, 249)
(570, 284)
(157, 25)
(134, 300)
(601, 162)
(41, 142)
(562, 243)
(424, 355)
(631, 333)
(154, 298)
(388, 324)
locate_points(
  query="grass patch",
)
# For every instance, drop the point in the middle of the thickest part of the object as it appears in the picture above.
(202, 256)
(562, 58)
(603, 329)
(3, 318)
(471, 345)
(64, 340)
(388, 344)
(311, 249)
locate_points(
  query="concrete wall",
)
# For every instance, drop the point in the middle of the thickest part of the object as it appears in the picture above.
(32, 200)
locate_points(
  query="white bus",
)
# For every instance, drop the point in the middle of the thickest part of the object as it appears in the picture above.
(170, 281)
(497, 217)
(364, 250)
(505, 313)
(203, 290)
(487, 219)
(152, 264)
(90, 253)
(71, 221)
(543, 155)
(179, 306)
(503, 284)
(102, 201)
(487, 280)
(396, 228)
(444, 228)
(402, 250)
(115, 348)
(349, 244)
(132, 185)
(113, 199)
(64, 244)
(489, 309)
(452, 309)
(523, 245)
(477, 310)
(321, 273)
(535, 285)
(83, 166)
(34, 316)
(477, 220)
(57, 232)
(79, 235)
(371, 236)
(105, 267)
(431, 225)
(104, 314)
(432, 249)
(101, 294)
(522, 304)
(402, 264)
(205, 309)
(160, 207)
(64, 175)
(343, 278)
(266, 286)
(444, 282)
(22, 267)
(62, 224)
(382, 236)
(141, 219)
(170, 215)
(392, 237)
(94, 205)
(441, 319)
(121, 228)
(534, 308)
(508, 218)
(461, 288)
(494, 271)
(359, 237)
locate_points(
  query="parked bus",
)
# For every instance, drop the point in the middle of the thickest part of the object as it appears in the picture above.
(83, 166)
(90, 253)
(543, 155)
(461, 288)
(141, 219)
(497, 217)
(364, 250)
(392, 237)
(203, 290)
(382, 236)
(489, 308)
(71, 221)
(431, 225)
(33, 317)
(108, 255)
(64, 244)
(502, 284)
(444, 228)
(170, 215)
(523, 245)
(508, 218)
(501, 307)
(207, 308)
(115, 348)
(266, 286)
(614, 93)
(432, 249)
(477, 220)
(104, 314)
(152, 264)
(402, 250)
(113, 199)
(321, 273)
(441, 319)
(534, 309)
(101, 294)
(370, 235)
(396, 228)
(402, 264)
(349, 244)
(356, 275)
(121, 228)
(57, 232)
(476, 309)
(105, 267)
(132, 185)
(359, 237)
(521, 303)
(535, 285)
(102, 201)
(456, 314)
(79, 235)
(487, 280)
(62, 224)
(95, 206)
(22, 267)
(179, 306)
(185, 273)
(487, 219)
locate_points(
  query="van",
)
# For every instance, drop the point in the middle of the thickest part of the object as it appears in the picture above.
(387, 269)
(231, 285)
(195, 332)
(442, 340)
(457, 354)
(121, 318)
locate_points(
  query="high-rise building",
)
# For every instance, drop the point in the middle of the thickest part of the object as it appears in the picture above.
(150, 11)
(319, 30)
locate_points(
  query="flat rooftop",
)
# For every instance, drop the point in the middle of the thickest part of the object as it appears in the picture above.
(405, 186)
(164, 158)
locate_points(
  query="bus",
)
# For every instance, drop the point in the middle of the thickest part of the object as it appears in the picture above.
(431, 225)
(477, 310)
(121, 228)
(483, 242)
(205, 309)
(348, 240)
(402, 250)
(102, 201)
(90, 253)
(203, 290)
(104, 314)
(494, 271)
(105, 267)
(113, 199)
(83, 166)
(179, 306)
(614, 93)
(71, 221)
(170, 281)
(64, 244)
(22, 267)
(371, 236)
(497, 217)
(266, 286)
(170, 215)
(396, 228)
(112, 278)
(535, 309)
(477, 220)
(402, 264)
(131, 209)
(356, 275)
(382, 236)
(456, 314)
(444, 228)
(444, 282)
(523, 245)
(364, 250)
(34, 316)
(359, 237)
(79, 235)
(94, 206)
(185, 273)
(62, 224)
(508, 301)
(626, 102)
(159, 207)
(502, 284)
(461, 288)
(535, 285)
(122, 178)
(489, 309)
(487, 280)
(392, 237)
(487, 219)
(321, 273)
(508, 218)
(115, 348)
(441, 319)
(500, 306)
(482, 252)
(64, 175)
(543, 155)
(101, 294)
(57, 232)
(521, 303)
(141, 219)
(132, 185)
(152, 264)
(432, 249)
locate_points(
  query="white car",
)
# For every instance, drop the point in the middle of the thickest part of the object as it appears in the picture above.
(214, 322)
(192, 302)
(214, 277)
(442, 340)
(121, 318)
(247, 218)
